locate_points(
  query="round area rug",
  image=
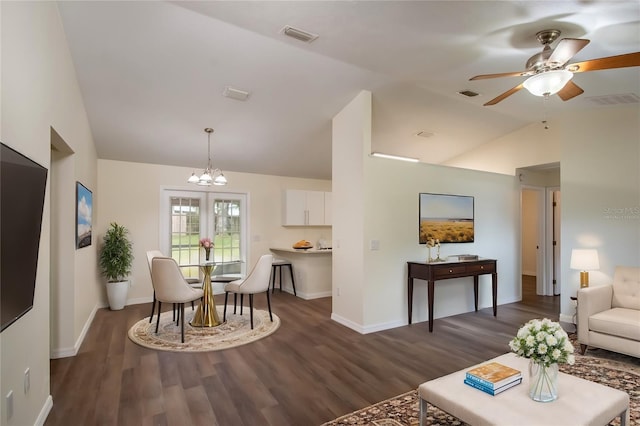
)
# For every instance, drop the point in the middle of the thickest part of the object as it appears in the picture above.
(234, 332)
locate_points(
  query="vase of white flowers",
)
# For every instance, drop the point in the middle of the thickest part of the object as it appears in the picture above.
(546, 345)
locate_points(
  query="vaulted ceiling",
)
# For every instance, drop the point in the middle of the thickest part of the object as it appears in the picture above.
(152, 75)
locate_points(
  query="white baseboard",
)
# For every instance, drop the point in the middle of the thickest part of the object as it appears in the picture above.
(366, 329)
(44, 412)
(73, 351)
(139, 300)
(309, 296)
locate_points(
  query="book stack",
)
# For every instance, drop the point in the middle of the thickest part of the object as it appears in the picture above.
(493, 378)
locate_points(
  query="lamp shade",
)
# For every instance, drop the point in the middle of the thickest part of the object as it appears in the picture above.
(547, 83)
(584, 259)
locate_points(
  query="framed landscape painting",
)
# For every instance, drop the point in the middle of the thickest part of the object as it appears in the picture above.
(84, 208)
(445, 217)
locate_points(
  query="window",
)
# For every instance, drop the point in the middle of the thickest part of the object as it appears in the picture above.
(188, 216)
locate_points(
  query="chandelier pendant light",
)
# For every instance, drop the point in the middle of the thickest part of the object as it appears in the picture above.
(209, 175)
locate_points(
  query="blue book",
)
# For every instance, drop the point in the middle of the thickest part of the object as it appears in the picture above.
(492, 391)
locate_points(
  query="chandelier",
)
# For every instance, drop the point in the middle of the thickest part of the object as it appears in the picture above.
(209, 175)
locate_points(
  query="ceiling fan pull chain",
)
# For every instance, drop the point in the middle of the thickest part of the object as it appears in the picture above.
(545, 98)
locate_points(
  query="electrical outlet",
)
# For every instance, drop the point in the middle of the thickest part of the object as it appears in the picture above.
(374, 245)
(338, 291)
(27, 380)
(9, 404)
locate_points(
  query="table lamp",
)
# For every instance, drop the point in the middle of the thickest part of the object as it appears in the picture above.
(584, 260)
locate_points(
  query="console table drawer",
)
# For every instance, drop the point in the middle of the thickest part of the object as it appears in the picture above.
(442, 272)
(485, 268)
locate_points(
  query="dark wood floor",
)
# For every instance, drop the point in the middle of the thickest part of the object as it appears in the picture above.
(310, 371)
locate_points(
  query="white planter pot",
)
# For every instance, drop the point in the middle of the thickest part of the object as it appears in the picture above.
(117, 294)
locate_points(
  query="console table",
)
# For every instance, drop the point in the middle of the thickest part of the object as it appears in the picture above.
(432, 271)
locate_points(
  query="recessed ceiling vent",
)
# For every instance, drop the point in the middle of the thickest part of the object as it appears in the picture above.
(627, 98)
(424, 134)
(468, 93)
(237, 94)
(299, 34)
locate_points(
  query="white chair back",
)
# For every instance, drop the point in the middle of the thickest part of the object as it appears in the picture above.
(259, 278)
(168, 282)
(151, 254)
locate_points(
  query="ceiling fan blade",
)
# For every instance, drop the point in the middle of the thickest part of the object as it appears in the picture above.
(619, 61)
(565, 50)
(504, 95)
(504, 74)
(570, 90)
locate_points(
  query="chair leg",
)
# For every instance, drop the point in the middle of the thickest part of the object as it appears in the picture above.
(273, 278)
(250, 308)
(176, 306)
(269, 305)
(235, 302)
(241, 302)
(192, 307)
(224, 313)
(293, 283)
(182, 320)
(153, 308)
(159, 310)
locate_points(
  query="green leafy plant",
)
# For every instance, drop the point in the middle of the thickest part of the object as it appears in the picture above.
(116, 255)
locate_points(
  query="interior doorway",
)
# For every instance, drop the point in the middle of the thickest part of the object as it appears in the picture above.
(540, 230)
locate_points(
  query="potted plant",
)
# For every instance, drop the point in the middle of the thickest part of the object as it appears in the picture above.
(116, 257)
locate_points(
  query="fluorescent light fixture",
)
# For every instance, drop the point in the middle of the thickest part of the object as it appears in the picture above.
(394, 157)
(547, 83)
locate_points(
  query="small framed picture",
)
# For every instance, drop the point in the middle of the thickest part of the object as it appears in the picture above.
(84, 209)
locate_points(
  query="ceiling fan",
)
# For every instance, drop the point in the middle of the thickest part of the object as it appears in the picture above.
(549, 72)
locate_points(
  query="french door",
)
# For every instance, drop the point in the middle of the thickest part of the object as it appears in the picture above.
(188, 216)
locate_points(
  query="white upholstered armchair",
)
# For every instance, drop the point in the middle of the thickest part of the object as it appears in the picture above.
(609, 315)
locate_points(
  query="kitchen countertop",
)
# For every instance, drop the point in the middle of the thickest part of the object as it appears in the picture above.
(302, 251)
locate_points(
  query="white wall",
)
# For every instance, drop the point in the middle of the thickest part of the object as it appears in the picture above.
(376, 279)
(130, 195)
(40, 92)
(600, 177)
(599, 155)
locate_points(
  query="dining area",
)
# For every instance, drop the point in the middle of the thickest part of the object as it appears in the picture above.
(209, 324)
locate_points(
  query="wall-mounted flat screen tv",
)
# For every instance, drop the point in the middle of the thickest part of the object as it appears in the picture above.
(447, 218)
(22, 189)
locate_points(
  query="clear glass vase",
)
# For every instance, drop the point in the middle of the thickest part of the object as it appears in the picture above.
(543, 382)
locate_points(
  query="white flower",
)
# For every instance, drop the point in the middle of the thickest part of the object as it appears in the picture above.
(543, 341)
(542, 348)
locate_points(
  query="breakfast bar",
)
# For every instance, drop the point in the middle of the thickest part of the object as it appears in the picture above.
(312, 269)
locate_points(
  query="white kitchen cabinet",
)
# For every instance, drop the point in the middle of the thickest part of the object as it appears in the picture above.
(305, 208)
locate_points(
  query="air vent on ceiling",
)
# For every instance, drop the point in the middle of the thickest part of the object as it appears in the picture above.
(299, 34)
(468, 93)
(627, 98)
(424, 134)
(237, 94)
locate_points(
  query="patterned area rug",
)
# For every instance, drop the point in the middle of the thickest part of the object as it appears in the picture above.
(617, 371)
(234, 332)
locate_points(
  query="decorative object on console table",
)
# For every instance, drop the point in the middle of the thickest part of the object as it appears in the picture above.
(546, 345)
(584, 260)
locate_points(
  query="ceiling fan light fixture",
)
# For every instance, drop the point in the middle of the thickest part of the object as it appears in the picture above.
(547, 83)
